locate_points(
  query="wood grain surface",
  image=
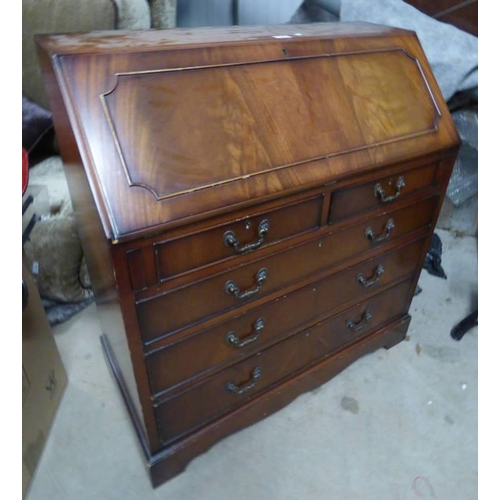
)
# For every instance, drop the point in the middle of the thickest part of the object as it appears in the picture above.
(255, 205)
(169, 134)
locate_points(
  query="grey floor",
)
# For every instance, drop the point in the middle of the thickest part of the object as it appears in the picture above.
(398, 424)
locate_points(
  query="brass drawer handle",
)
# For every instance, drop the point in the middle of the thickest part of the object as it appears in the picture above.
(370, 235)
(233, 339)
(379, 270)
(233, 289)
(379, 192)
(230, 240)
(356, 327)
(256, 373)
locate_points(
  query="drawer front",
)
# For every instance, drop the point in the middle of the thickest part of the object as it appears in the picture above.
(246, 235)
(236, 385)
(257, 328)
(174, 310)
(383, 191)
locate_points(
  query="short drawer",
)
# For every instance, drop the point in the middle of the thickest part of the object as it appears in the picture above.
(234, 386)
(382, 191)
(245, 235)
(180, 361)
(176, 309)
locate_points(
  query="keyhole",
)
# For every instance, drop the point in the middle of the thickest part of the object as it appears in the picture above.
(248, 224)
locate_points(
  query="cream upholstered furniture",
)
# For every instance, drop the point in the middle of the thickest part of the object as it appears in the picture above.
(53, 251)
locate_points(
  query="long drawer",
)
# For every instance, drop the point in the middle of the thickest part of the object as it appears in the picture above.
(234, 386)
(238, 286)
(179, 361)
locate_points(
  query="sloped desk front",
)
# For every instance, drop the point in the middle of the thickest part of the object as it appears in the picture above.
(255, 206)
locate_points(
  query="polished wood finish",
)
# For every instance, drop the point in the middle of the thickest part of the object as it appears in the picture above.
(201, 404)
(179, 360)
(208, 246)
(240, 200)
(353, 200)
(179, 308)
(393, 115)
(173, 459)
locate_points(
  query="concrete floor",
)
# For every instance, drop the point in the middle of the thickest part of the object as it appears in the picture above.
(398, 424)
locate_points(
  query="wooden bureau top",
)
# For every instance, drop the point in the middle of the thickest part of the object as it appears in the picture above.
(172, 126)
(143, 40)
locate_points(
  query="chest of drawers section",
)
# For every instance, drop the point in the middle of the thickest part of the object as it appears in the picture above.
(224, 333)
(255, 208)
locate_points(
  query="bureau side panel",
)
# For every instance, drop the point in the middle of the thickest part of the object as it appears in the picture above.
(442, 179)
(97, 249)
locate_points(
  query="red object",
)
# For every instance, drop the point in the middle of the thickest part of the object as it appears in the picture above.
(25, 170)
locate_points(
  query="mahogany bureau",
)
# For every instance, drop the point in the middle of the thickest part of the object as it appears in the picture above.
(255, 206)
